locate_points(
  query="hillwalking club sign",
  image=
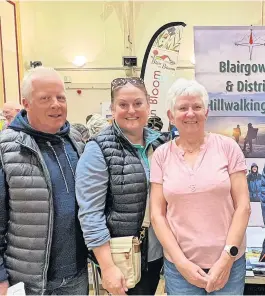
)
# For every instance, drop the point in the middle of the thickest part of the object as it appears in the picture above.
(229, 62)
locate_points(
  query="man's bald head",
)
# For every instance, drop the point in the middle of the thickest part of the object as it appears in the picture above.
(10, 110)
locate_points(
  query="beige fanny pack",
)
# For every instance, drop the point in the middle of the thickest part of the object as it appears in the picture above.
(126, 253)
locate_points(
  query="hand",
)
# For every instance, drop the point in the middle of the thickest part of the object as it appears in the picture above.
(219, 273)
(113, 280)
(3, 288)
(193, 274)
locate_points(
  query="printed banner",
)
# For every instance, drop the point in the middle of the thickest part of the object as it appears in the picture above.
(231, 61)
(159, 66)
(230, 64)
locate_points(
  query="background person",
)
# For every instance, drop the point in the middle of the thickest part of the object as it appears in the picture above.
(95, 124)
(155, 123)
(82, 130)
(254, 183)
(10, 110)
(237, 133)
(251, 135)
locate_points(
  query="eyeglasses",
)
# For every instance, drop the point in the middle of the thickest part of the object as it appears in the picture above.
(122, 81)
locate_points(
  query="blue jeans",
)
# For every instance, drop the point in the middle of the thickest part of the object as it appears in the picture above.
(176, 284)
(73, 285)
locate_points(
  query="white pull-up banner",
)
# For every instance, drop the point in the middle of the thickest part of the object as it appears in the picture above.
(159, 66)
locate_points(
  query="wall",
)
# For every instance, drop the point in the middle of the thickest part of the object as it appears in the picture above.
(52, 33)
(88, 102)
(95, 30)
(2, 82)
(197, 13)
(9, 62)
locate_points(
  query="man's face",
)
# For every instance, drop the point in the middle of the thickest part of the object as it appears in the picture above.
(9, 113)
(47, 107)
(254, 169)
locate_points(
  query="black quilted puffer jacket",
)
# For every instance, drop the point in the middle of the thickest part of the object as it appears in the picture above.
(128, 187)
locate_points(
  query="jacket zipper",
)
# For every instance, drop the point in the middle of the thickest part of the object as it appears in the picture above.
(50, 225)
(146, 180)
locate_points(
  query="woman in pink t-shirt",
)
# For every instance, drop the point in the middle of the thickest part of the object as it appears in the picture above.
(199, 200)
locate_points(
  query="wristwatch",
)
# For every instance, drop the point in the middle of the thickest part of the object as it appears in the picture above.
(232, 251)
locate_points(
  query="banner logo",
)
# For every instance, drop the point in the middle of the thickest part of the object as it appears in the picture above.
(163, 60)
(250, 41)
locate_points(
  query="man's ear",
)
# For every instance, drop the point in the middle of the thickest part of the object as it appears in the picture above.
(25, 103)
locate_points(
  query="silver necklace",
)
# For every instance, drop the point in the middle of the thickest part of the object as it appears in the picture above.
(189, 150)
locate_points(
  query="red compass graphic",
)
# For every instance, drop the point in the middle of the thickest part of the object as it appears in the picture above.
(250, 41)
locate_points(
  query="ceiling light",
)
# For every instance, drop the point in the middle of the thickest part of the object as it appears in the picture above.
(79, 61)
